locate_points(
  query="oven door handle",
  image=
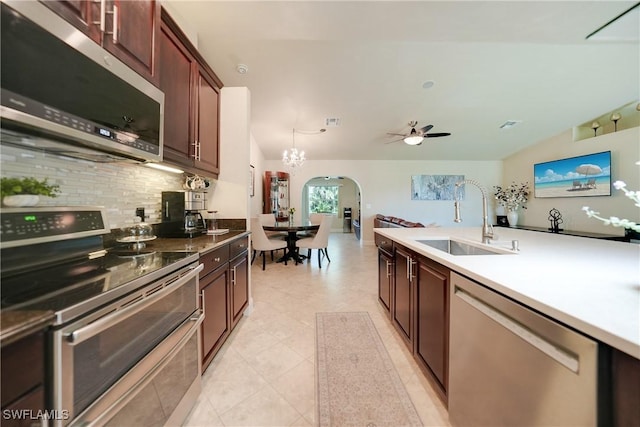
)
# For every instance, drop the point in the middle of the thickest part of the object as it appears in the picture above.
(103, 323)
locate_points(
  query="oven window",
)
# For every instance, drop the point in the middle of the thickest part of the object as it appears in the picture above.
(101, 360)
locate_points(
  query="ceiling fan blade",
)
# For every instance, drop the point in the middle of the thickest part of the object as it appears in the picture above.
(396, 134)
(426, 129)
(436, 135)
(395, 140)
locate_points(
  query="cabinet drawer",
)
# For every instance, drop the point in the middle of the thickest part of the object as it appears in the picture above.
(214, 259)
(384, 243)
(238, 246)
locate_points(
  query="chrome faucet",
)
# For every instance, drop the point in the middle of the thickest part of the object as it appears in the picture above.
(487, 229)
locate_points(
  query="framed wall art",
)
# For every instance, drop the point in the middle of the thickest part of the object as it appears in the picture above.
(581, 176)
(435, 187)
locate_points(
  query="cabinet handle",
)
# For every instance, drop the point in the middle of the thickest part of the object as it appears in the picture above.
(202, 300)
(195, 150)
(233, 276)
(115, 24)
(408, 269)
(103, 13)
(217, 259)
(411, 264)
(389, 264)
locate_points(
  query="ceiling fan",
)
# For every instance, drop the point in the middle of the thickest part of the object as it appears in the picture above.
(415, 137)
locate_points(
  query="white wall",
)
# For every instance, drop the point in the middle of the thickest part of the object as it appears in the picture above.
(257, 161)
(625, 151)
(386, 188)
(230, 194)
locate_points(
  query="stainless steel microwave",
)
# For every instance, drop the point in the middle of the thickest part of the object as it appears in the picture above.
(60, 86)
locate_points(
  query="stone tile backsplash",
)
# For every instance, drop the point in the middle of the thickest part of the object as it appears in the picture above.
(119, 187)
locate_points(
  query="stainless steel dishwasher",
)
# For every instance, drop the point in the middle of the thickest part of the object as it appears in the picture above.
(510, 366)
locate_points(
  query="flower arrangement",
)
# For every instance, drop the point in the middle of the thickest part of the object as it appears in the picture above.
(513, 196)
(292, 211)
(613, 220)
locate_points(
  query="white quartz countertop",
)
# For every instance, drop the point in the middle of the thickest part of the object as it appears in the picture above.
(591, 285)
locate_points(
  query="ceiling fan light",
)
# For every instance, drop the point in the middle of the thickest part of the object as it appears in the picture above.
(413, 140)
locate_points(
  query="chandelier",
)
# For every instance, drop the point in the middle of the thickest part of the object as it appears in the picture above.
(293, 158)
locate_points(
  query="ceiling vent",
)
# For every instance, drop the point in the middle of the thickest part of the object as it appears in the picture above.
(332, 122)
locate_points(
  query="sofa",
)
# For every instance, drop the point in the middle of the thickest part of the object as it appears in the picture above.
(386, 221)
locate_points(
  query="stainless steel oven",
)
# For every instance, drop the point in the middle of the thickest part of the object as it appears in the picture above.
(124, 346)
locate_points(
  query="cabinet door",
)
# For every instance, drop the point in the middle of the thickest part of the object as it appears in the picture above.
(176, 66)
(385, 277)
(239, 286)
(207, 119)
(82, 14)
(402, 299)
(132, 33)
(216, 324)
(432, 319)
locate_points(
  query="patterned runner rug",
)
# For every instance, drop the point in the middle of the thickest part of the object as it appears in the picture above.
(357, 384)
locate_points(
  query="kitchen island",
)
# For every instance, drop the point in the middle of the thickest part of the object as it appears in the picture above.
(590, 285)
(474, 314)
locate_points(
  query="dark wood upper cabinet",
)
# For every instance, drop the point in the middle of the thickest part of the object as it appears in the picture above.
(133, 28)
(192, 103)
(127, 29)
(82, 14)
(176, 65)
(207, 124)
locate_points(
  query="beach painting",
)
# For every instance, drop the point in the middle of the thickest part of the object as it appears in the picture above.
(588, 175)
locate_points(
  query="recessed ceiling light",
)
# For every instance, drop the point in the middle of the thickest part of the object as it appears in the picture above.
(510, 123)
(428, 84)
(242, 69)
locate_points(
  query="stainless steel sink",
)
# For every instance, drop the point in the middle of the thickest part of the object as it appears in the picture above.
(455, 247)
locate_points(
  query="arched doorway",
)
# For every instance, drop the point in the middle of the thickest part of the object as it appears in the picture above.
(333, 195)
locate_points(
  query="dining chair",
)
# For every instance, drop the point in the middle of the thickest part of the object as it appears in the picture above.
(320, 241)
(314, 219)
(270, 219)
(260, 242)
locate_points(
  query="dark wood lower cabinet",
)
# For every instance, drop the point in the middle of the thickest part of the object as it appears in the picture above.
(432, 322)
(385, 278)
(625, 382)
(418, 297)
(402, 297)
(22, 380)
(224, 289)
(239, 268)
(216, 325)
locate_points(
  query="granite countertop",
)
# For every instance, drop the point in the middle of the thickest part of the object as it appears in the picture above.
(591, 285)
(18, 324)
(201, 244)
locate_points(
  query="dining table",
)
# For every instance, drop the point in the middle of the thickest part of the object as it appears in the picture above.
(292, 228)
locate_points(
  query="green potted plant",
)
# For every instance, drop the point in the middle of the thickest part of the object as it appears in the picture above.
(17, 192)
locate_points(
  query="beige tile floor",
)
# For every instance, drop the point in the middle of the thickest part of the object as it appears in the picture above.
(264, 374)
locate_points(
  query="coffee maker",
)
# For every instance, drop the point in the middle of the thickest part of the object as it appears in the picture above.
(181, 215)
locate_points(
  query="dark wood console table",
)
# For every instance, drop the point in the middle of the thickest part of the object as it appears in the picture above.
(571, 233)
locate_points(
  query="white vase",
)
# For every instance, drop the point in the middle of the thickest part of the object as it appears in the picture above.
(512, 216)
(20, 200)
